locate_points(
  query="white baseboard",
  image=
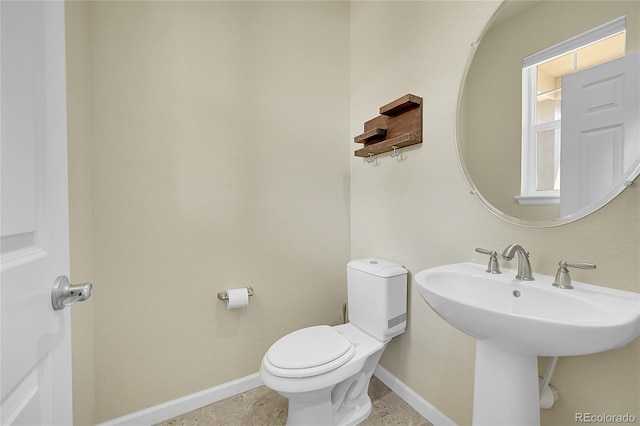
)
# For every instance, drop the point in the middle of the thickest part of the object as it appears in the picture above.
(421, 405)
(170, 409)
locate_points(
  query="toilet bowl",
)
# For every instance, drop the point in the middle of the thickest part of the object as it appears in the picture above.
(332, 393)
(325, 371)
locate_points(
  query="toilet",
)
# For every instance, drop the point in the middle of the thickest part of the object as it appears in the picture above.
(325, 371)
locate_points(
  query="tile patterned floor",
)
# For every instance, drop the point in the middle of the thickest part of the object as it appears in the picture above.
(264, 407)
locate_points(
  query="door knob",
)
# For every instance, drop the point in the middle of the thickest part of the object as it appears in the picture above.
(64, 294)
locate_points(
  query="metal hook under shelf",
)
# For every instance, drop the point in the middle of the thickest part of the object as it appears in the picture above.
(224, 296)
(372, 158)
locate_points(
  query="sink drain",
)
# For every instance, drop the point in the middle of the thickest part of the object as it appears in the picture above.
(516, 293)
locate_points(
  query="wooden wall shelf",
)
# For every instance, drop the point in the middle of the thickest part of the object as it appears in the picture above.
(371, 136)
(399, 125)
(401, 141)
(400, 105)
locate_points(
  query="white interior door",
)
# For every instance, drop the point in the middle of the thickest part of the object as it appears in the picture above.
(600, 131)
(35, 354)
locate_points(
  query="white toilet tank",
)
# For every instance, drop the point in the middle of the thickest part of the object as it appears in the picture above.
(377, 294)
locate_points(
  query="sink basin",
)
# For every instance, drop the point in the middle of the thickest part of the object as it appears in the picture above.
(516, 321)
(531, 317)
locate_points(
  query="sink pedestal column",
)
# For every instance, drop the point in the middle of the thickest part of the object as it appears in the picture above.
(505, 388)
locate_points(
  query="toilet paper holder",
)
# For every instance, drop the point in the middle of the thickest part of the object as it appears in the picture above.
(224, 296)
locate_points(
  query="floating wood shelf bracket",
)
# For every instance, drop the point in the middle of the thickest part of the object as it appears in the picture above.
(399, 125)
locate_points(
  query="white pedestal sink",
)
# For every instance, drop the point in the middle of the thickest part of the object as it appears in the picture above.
(516, 321)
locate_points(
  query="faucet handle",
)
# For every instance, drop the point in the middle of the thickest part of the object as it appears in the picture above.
(579, 265)
(563, 279)
(493, 267)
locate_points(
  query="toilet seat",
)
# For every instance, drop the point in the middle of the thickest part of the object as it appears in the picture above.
(308, 352)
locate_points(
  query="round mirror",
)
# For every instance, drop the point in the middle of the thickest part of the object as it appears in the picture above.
(548, 113)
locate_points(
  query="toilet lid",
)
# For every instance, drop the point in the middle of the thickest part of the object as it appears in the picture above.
(318, 349)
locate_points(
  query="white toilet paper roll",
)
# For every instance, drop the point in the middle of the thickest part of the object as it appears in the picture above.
(238, 298)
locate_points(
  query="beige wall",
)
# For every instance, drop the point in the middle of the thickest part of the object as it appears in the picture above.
(211, 150)
(80, 223)
(219, 159)
(419, 212)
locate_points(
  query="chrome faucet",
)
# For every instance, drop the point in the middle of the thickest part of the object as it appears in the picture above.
(524, 267)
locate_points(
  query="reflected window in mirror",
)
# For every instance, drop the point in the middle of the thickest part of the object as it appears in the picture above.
(542, 75)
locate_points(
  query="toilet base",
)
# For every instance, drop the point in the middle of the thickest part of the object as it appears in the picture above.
(317, 409)
(320, 410)
(345, 404)
(355, 405)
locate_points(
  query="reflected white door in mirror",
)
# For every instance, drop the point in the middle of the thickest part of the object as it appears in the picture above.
(601, 139)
